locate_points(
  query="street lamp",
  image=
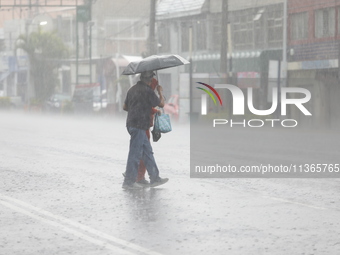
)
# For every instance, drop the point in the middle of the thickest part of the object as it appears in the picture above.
(43, 23)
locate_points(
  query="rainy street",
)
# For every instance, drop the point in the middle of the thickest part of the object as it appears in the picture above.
(60, 193)
(251, 89)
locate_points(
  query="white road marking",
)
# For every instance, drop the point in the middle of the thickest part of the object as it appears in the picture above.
(67, 229)
(297, 203)
(275, 198)
(62, 220)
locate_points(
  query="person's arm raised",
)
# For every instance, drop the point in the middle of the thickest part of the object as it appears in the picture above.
(125, 108)
(160, 92)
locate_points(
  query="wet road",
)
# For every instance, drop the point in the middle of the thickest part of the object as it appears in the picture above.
(60, 193)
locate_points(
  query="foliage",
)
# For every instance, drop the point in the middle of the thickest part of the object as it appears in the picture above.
(67, 107)
(35, 102)
(45, 50)
(2, 45)
(4, 102)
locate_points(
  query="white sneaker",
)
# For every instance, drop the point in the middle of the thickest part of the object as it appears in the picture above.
(144, 183)
(132, 186)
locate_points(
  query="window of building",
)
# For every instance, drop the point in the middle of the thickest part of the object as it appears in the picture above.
(260, 38)
(163, 31)
(125, 35)
(126, 29)
(299, 26)
(126, 46)
(275, 28)
(139, 29)
(215, 37)
(201, 35)
(140, 46)
(243, 29)
(325, 22)
(66, 28)
(185, 28)
(111, 28)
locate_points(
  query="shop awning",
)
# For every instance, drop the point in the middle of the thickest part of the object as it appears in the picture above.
(170, 9)
(242, 61)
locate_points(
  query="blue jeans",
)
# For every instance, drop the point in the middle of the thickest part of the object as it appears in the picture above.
(140, 148)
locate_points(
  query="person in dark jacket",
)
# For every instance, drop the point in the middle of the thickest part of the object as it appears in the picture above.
(142, 168)
(139, 102)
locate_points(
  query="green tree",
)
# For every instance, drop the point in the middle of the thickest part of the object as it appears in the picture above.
(44, 50)
(2, 45)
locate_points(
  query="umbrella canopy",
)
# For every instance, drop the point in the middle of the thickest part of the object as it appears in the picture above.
(154, 63)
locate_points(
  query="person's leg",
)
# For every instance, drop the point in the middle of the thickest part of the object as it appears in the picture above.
(141, 171)
(137, 141)
(142, 168)
(151, 165)
(149, 161)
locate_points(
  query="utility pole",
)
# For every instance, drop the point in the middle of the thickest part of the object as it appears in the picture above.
(90, 39)
(283, 65)
(224, 50)
(339, 61)
(284, 41)
(190, 74)
(152, 38)
(28, 89)
(30, 86)
(77, 48)
(83, 16)
(224, 39)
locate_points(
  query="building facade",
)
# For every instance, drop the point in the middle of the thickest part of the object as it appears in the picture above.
(313, 55)
(255, 38)
(116, 29)
(120, 27)
(20, 19)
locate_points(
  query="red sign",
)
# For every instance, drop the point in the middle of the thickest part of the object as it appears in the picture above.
(87, 85)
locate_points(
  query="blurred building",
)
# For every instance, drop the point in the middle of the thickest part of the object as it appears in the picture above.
(313, 54)
(255, 38)
(120, 33)
(21, 18)
(120, 27)
(108, 35)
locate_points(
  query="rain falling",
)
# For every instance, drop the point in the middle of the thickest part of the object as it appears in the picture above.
(169, 127)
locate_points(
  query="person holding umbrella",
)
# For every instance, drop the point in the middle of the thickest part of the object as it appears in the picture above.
(139, 102)
(142, 169)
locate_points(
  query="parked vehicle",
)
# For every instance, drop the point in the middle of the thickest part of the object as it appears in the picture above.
(57, 102)
(172, 107)
(87, 98)
(99, 104)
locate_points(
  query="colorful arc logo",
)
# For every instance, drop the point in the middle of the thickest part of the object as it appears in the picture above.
(209, 93)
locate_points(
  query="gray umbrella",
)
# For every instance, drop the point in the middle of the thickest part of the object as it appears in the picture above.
(154, 63)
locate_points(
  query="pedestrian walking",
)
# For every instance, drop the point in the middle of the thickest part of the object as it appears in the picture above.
(142, 169)
(139, 102)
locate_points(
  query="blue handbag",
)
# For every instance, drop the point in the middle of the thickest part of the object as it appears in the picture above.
(162, 123)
